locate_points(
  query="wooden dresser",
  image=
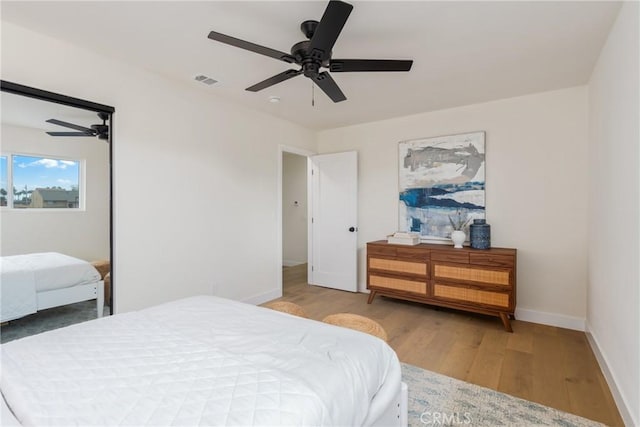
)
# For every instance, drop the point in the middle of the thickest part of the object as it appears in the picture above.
(482, 281)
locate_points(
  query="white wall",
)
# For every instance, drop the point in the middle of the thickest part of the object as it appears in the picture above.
(614, 213)
(294, 215)
(195, 200)
(536, 193)
(195, 178)
(80, 233)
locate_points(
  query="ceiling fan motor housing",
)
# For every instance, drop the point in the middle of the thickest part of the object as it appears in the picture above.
(310, 63)
(102, 131)
(100, 128)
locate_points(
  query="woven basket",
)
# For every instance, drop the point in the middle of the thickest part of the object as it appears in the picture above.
(107, 288)
(357, 322)
(287, 307)
(103, 267)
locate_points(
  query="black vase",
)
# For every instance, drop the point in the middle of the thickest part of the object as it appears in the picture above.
(480, 234)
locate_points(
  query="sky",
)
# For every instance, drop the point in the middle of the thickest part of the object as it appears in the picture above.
(3, 172)
(40, 172)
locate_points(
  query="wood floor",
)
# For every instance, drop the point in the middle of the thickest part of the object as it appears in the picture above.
(548, 365)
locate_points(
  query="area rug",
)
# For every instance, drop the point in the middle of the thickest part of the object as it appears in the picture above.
(46, 320)
(438, 400)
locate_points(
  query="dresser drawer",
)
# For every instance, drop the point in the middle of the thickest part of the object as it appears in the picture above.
(471, 296)
(492, 260)
(398, 266)
(394, 283)
(472, 274)
(413, 253)
(386, 250)
(450, 256)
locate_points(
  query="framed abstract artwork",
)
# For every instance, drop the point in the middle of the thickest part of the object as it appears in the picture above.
(441, 178)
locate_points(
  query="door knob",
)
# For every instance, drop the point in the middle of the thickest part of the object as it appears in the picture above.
(352, 229)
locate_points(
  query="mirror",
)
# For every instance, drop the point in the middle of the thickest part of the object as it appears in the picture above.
(55, 177)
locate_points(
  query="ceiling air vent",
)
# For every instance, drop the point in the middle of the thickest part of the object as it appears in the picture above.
(204, 79)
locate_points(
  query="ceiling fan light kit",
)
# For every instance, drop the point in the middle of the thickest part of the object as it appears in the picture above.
(314, 54)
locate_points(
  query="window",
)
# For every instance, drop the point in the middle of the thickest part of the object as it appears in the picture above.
(40, 182)
(4, 183)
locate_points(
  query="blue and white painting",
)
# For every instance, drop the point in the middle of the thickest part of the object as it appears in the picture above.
(439, 178)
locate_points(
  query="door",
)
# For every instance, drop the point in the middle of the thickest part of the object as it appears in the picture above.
(334, 214)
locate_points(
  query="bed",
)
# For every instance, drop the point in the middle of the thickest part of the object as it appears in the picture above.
(202, 361)
(37, 281)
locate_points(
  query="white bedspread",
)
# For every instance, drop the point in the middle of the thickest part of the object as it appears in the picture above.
(17, 289)
(22, 276)
(198, 361)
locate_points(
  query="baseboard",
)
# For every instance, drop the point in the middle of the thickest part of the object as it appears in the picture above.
(291, 263)
(623, 408)
(262, 298)
(551, 319)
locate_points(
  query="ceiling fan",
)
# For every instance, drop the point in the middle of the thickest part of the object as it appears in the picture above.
(313, 54)
(99, 130)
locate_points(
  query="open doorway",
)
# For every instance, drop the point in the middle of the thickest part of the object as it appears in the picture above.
(294, 222)
(331, 241)
(294, 218)
(294, 210)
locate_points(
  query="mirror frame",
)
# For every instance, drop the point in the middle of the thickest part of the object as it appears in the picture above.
(31, 92)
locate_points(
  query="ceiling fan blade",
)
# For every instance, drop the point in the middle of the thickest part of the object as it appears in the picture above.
(278, 78)
(242, 44)
(329, 28)
(69, 125)
(329, 86)
(349, 65)
(70, 134)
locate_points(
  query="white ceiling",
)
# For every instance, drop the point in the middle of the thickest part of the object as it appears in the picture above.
(463, 52)
(33, 113)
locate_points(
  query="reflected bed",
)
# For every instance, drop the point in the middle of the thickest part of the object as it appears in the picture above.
(38, 281)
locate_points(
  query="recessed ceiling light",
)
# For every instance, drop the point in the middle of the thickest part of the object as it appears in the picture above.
(274, 99)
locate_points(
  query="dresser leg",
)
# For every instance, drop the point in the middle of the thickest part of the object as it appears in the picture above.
(506, 322)
(372, 295)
